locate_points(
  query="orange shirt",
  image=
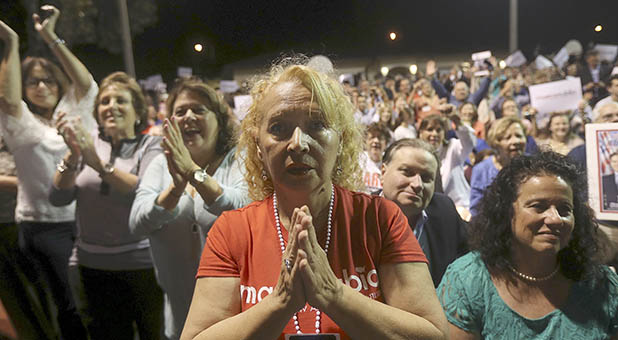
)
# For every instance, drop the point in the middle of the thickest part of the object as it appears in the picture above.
(366, 232)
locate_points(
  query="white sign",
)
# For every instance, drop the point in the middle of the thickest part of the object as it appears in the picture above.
(561, 58)
(184, 72)
(516, 59)
(542, 62)
(555, 96)
(601, 143)
(349, 77)
(479, 56)
(241, 106)
(152, 82)
(607, 52)
(228, 86)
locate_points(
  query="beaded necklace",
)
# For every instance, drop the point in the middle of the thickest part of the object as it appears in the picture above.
(282, 244)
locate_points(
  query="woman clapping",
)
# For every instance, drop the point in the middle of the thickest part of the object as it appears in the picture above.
(184, 191)
(100, 172)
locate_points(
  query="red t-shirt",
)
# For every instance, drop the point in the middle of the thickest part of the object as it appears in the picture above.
(367, 231)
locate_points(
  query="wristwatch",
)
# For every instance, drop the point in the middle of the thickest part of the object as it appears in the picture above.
(200, 175)
(108, 169)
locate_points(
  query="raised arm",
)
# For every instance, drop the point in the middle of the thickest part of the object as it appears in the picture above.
(80, 77)
(431, 71)
(477, 96)
(10, 72)
(155, 203)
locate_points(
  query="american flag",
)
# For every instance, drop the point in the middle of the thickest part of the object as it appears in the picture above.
(607, 141)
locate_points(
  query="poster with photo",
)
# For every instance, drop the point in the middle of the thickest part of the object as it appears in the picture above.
(602, 169)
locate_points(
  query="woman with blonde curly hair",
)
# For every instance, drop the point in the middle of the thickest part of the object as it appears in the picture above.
(305, 257)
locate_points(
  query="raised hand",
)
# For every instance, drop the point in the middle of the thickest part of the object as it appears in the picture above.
(322, 288)
(7, 34)
(430, 68)
(175, 150)
(47, 27)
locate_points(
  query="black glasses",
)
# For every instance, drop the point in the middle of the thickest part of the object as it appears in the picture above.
(34, 82)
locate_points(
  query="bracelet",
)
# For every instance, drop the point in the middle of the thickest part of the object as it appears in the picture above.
(108, 169)
(64, 166)
(56, 42)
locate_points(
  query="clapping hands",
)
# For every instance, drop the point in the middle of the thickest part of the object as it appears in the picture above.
(77, 139)
(179, 161)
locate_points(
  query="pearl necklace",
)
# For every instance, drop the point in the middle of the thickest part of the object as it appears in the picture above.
(532, 278)
(282, 244)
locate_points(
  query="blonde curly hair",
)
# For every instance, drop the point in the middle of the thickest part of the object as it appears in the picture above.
(338, 114)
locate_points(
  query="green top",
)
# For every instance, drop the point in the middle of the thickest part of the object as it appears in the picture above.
(472, 303)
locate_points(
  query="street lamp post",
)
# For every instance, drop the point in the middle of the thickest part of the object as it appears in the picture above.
(127, 47)
(513, 26)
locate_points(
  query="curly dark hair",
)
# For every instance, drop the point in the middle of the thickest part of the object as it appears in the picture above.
(490, 231)
(226, 139)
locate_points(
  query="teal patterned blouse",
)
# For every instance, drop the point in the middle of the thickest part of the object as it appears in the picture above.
(472, 303)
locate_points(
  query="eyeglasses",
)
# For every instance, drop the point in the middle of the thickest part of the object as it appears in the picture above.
(34, 82)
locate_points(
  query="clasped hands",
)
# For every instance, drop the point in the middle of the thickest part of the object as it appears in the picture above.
(309, 278)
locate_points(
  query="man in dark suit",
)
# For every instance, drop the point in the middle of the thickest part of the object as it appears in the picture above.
(594, 75)
(409, 171)
(610, 188)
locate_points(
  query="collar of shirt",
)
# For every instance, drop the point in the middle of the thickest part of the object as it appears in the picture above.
(420, 225)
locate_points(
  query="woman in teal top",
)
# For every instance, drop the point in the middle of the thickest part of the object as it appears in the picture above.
(532, 274)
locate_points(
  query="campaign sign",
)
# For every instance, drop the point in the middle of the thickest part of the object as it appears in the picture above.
(228, 86)
(241, 106)
(516, 59)
(607, 52)
(184, 72)
(561, 95)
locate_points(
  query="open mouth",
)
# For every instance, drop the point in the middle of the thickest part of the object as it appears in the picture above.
(191, 132)
(298, 169)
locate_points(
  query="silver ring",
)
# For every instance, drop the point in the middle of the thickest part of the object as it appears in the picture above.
(288, 264)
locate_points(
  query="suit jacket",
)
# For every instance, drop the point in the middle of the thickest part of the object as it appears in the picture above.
(610, 191)
(604, 73)
(446, 235)
(586, 76)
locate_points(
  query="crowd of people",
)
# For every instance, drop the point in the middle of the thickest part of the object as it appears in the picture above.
(426, 206)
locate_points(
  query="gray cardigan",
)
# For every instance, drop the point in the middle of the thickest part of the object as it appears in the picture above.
(177, 237)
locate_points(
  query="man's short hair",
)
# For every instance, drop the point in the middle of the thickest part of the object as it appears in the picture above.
(412, 143)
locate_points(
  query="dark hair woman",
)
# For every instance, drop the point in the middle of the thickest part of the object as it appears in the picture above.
(532, 273)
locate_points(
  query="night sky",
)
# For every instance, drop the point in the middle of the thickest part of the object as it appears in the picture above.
(242, 29)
